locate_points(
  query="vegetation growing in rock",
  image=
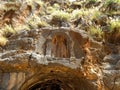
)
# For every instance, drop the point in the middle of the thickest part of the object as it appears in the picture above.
(3, 41)
(93, 16)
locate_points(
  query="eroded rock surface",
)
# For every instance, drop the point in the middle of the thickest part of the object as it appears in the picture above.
(63, 59)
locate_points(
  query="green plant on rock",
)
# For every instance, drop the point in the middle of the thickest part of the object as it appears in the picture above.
(56, 6)
(80, 13)
(111, 5)
(31, 21)
(36, 22)
(3, 40)
(32, 24)
(115, 25)
(93, 1)
(60, 16)
(95, 14)
(107, 2)
(77, 14)
(22, 27)
(95, 31)
(98, 18)
(69, 10)
(114, 34)
(50, 10)
(8, 29)
(42, 23)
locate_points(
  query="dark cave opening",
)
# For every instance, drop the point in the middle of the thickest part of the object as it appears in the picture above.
(57, 80)
(58, 85)
(49, 85)
(52, 86)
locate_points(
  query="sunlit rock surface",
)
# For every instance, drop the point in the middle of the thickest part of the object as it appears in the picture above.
(63, 59)
(62, 56)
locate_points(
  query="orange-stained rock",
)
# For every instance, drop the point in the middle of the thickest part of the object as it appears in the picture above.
(60, 58)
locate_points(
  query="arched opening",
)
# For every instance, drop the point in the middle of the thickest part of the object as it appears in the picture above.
(57, 78)
(66, 83)
(48, 85)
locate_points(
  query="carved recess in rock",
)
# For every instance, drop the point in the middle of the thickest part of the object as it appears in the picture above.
(27, 52)
(62, 44)
(52, 43)
(56, 44)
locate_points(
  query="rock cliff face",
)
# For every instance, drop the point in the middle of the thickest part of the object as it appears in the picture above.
(58, 59)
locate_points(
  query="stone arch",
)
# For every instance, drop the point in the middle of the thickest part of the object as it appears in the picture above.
(56, 78)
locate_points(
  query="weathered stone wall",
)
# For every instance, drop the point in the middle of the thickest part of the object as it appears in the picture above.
(65, 57)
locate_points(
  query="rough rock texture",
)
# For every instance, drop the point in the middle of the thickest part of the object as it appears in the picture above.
(58, 59)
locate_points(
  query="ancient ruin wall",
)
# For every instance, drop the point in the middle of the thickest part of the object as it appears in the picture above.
(63, 59)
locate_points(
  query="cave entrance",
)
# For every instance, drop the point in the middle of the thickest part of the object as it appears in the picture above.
(64, 83)
(48, 85)
(53, 86)
(57, 78)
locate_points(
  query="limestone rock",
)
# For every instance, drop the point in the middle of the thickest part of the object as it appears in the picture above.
(118, 65)
(112, 58)
(113, 81)
(54, 54)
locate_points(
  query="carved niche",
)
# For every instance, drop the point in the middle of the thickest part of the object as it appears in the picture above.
(57, 46)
